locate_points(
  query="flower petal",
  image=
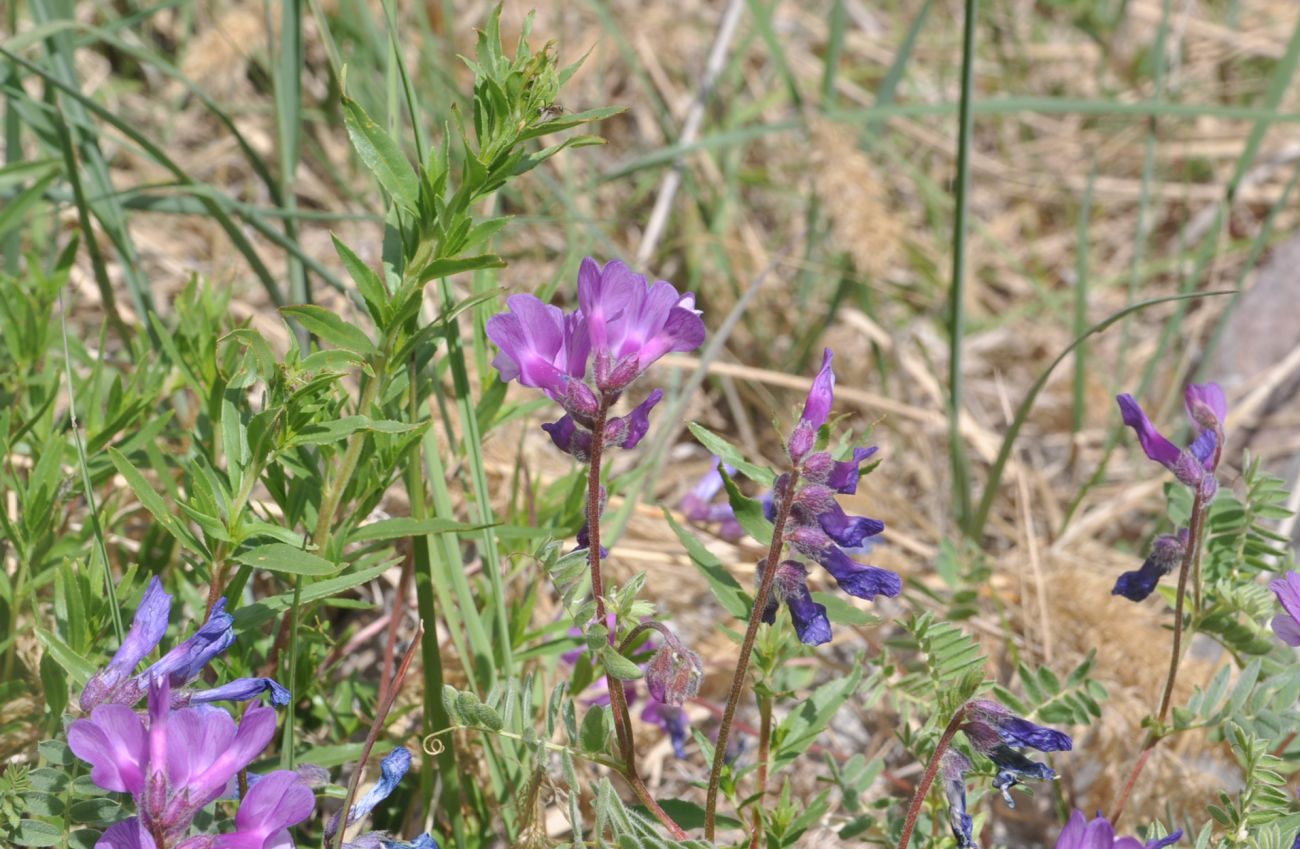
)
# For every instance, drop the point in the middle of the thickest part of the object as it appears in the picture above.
(1153, 444)
(1207, 396)
(817, 407)
(113, 742)
(848, 531)
(241, 690)
(127, 834)
(858, 580)
(843, 477)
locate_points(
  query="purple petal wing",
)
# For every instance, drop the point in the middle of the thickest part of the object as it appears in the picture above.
(848, 531)
(113, 742)
(844, 474)
(1208, 395)
(1153, 444)
(1287, 629)
(817, 407)
(127, 834)
(858, 580)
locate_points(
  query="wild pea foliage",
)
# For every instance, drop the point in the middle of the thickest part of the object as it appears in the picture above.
(257, 491)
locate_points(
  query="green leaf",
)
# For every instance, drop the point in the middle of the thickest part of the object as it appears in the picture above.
(73, 663)
(278, 557)
(749, 512)
(842, 612)
(404, 527)
(731, 455)
(37, 833)
(382, 156)
(369, 284)
(689, 815)
(617, 666)
(455, 265)
(331, 327)
(595, 729)
(333, 430)
(725, 588)
(149, 498)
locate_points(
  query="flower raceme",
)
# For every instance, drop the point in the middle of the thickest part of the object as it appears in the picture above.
(994, 732)
(818, 528)
(585, 359)
(177, 762)
(117, 683)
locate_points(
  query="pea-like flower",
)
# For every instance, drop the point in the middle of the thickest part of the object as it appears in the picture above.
(818, 528)
(274, 802)
(1287, 623)
(1194, 465)
(1080, 833)
(179, 762)
(116, 683)
(1166, 552)
(699, 506)
(994, 731)
(790, 587)
(392, 769)
(953, 766)
(623, 324)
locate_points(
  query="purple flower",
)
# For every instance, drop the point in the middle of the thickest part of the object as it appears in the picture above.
(674, 673)
(790, 586)
(953, 766)
(181, 761)
(699, 507)
(673, 720)
(1287, 623)
(278, 800)
(1079, 833)
(391, 770)
(115, 684)
(816, 410)
(623, 324)
(993, 730)
(127, 834)
(632, 323)
(1194, 466)
(1166, 553)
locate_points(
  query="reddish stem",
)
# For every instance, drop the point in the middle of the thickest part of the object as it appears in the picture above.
(914, 809)
(746, 649)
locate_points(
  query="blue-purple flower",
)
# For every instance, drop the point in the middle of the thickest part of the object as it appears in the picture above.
(993, 731)
(790, 587)
(1166, 552)
(1287, 623)
(623, 324)
(699, 506)
(818, 528)
(174, 765)
(392, 769)
(1194, 465)
(116, 683)
(1080, 833)
(953, 767)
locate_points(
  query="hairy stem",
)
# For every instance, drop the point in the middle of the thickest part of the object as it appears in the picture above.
(746, 649)
(931, 769)
(617, 698)
(764, 753)
(1191, 563)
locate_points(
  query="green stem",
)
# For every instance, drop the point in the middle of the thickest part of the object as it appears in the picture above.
(957, 292)
(746, 649)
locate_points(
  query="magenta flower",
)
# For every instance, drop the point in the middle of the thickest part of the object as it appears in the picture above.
(178, 763)
(1166, 553)
(622, 326)
(115, 683)
(1194, 466)
(1079, 833)
(1287, 623)
(275, 802)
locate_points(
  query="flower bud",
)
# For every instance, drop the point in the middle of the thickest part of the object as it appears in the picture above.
(674, 674)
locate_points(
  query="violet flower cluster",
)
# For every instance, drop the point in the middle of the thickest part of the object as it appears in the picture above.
(183, 753)
(995, 732)
(1193, 466)
(117, 683)
(585, 359)
(818, 529)
(1287, 623)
